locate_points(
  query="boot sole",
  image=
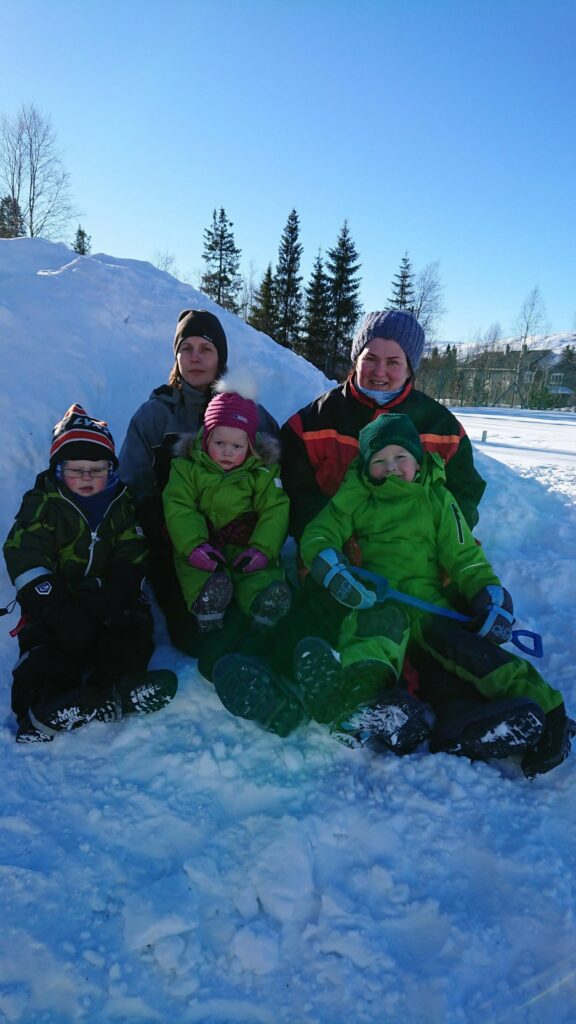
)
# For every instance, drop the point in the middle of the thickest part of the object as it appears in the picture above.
(144, 695)
(74, 714)
(398, 725)
(249, 690)
(500, 738)
(318, 672)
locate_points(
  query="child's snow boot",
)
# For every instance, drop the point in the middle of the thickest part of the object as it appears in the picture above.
(249, 689)
(553, 745)
(495, 729)
(65, 711)
(145, 692)
(29, 733)
(271, 605)
(396, 722)
(318, 673)
(212, 602)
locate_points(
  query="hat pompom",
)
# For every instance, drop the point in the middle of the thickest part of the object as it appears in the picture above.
(233, 405)
(238, 382)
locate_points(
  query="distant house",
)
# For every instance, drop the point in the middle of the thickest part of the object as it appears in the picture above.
(529, 378)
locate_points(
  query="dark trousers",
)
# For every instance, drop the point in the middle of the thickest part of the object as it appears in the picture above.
(313, 613)
(105, 654)
(181, 624)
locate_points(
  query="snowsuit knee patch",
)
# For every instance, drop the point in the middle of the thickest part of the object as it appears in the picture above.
(384, 620)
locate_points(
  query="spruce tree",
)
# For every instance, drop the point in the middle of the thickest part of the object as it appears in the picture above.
(82, 243)
(317, 330)
(288, 284)
(403, 287)
(11, 219)
(342, 263)
(263, 311)
(221, 280)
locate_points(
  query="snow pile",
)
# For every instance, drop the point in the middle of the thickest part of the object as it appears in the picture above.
(189, 867)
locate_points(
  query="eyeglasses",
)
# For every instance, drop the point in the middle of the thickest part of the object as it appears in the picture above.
(76, 474)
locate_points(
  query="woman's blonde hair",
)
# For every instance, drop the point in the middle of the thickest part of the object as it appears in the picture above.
(174, 379)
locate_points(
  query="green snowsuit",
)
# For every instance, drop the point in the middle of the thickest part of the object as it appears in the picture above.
(414, 534)
(244, 507)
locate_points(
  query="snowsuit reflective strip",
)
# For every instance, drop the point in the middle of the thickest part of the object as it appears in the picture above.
(200, 498)
(321, 440)
(411, 533)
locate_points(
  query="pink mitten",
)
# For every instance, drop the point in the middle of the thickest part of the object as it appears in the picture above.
(250, 560)
(207, 558)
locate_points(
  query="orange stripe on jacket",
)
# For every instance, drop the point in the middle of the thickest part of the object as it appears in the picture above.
(332, 435)
(445, 445)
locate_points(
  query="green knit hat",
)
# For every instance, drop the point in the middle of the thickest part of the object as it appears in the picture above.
(389, 428)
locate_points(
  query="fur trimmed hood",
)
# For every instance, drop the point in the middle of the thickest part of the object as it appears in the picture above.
(266, 447)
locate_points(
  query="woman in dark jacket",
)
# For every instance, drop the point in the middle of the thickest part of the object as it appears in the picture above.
(321, 440)
(174, 409)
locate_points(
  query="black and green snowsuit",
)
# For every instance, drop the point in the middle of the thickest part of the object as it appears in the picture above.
(80, 591)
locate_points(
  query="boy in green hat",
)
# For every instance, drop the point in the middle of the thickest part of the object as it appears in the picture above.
(410, 530)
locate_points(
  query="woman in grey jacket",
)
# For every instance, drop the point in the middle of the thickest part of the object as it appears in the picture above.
(173, 409)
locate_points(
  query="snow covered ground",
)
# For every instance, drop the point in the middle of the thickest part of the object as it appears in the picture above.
(188, 867)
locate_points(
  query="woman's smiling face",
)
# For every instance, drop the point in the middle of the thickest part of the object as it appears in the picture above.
(382, 366)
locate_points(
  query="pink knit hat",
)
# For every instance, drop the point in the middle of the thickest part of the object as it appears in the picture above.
(231, 410)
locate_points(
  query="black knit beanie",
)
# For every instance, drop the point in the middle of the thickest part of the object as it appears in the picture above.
(394, 325)
(389, 428)
(199, 323)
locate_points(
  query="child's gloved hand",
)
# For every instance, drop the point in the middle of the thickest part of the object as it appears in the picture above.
(250, 560)
(206, 557)
(43, 598)
(46, 600)
(493, 611)
(330, 569)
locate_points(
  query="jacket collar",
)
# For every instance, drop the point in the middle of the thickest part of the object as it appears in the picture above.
(366, 400)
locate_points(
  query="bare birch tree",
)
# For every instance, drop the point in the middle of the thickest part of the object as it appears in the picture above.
(429, 305)
(32, 173)
(531, 316)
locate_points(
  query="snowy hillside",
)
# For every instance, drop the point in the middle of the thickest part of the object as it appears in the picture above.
(188, 868)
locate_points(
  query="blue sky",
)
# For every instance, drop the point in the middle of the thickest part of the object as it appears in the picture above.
(445, 128)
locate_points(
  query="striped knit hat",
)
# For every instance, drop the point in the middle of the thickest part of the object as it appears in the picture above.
(78, 436)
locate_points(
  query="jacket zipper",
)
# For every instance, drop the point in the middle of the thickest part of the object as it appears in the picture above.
(93, 533)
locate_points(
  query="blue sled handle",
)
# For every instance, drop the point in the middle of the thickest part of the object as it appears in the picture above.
(535, 649)
(384, 592)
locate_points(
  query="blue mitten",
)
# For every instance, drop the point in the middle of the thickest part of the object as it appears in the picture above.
(493, 614)
(330, 569)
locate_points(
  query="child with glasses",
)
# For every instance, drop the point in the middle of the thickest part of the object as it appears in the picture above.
(77, 558)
